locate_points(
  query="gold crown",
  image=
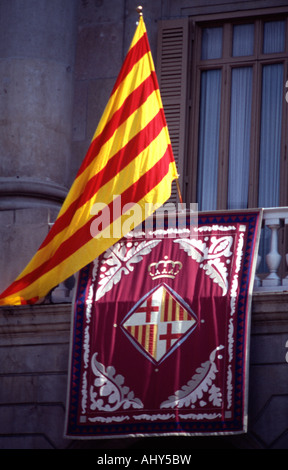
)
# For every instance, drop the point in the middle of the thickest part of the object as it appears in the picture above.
(164, 268)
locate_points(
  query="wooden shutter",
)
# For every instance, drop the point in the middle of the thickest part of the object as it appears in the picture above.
(172, 66)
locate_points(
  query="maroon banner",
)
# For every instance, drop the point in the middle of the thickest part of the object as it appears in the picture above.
(160, 332)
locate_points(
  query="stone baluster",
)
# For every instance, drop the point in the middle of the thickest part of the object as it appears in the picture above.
(273, 258)
(257, 281)
(285, 280)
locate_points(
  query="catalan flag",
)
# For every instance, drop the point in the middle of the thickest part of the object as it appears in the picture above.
(129, 165)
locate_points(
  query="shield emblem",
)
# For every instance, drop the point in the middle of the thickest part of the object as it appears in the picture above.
(159, 323)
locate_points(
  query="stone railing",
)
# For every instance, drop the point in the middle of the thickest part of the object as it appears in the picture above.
(272, 278)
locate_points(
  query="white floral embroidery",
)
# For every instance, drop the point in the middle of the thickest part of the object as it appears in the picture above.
(208, 254)
(109, 392)
(109, 419)
(194, 390)
(200, 416)
(154, 417)
(119, 260)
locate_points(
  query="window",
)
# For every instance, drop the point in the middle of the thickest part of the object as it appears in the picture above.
(239, 114)
(223, 85)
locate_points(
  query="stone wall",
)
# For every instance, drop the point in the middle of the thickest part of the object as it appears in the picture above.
(34, 350)
(268, 410)
(34, 344)
(37, 54)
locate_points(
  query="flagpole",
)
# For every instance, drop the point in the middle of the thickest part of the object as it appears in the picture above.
(179, 191)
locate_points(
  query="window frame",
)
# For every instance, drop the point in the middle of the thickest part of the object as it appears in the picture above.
(227, 63)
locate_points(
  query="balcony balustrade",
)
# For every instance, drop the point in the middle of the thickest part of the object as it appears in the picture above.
(272, 277)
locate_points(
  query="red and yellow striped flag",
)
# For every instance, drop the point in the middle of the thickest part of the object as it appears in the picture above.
(129, 163)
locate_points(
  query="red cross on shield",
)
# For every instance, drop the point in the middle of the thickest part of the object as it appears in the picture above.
(159, 323)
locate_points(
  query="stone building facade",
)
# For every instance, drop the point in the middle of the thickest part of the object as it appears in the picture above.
(58, 63)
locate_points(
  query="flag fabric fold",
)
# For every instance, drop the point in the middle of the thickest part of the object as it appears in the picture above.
(129, 165)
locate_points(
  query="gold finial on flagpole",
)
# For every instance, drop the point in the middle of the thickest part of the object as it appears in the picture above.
(139, 10)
